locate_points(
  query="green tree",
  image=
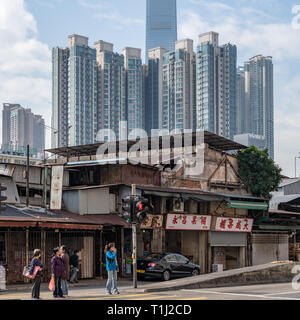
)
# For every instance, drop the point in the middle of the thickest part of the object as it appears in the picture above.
(258, 172)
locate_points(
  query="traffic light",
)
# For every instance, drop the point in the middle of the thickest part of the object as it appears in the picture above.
(2, 197)
(142, 209)
(126, 208)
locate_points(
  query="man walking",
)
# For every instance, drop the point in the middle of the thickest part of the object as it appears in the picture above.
(57, 270)
(64, 279)
(74, 263)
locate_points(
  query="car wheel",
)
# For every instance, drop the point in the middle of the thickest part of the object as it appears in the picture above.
(166, 275)
(195, 273)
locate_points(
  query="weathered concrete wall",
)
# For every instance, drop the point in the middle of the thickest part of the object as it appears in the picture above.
(262, 274)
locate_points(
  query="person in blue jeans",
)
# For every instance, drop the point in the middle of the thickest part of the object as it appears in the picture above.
(111, 267)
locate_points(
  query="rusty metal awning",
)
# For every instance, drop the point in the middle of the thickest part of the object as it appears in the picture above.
(213, 140)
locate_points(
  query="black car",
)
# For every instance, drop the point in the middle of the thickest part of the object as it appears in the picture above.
(166, 266)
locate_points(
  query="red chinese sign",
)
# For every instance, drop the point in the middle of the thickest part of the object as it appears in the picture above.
(182, 221)
(226, 224)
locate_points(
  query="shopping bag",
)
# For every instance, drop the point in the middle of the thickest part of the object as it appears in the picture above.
(52, 284)
(28, 275)
(26, 271)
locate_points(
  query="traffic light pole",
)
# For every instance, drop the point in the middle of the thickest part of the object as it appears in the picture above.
(134, 243)
(134, 255)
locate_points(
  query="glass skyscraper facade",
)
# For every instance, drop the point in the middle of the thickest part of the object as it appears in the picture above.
(161, 25)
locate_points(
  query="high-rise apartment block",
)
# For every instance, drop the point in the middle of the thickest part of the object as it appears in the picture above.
(60, 92)
(20, 127)
(134, 87)
(161, 25)
(257, 109)
(111, 88)
(216, 86)
(82, 104)
(94, 89)
(240, 101)
(178, 98)
(154, 90)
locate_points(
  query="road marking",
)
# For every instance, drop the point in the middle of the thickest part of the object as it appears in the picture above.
(285, 292)
(241, 294)
(155, 297)
(128, 296)
(199, 298)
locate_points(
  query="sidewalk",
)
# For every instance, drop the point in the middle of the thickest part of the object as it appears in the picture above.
(82, 283)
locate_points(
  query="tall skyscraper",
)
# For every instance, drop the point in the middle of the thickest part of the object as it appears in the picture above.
(259, 99)
(20, 127)
(216, 86)
(60, 83)
(161, 25)
(134, 87)
(178, 87)
(154, 89)
(240, 101)
(227, 65)
(82, 102)
(74, 106)
(111, 87)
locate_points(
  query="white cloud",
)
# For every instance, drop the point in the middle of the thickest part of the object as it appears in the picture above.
(25, 62)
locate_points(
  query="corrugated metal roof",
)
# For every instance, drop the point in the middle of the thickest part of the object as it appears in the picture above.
(277, 199)
(192, 192)
(210, 138)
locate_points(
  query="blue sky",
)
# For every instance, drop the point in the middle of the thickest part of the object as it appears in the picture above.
(255, 26)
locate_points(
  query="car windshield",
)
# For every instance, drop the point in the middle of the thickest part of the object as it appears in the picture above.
(154, 256)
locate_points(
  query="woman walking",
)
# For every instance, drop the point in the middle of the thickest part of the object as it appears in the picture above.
(111, 267)
(57, 270)
(36, 264)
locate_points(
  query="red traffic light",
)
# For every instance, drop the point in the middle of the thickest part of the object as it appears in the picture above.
(140, 206)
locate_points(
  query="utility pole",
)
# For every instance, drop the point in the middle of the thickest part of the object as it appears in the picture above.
(27, 178)
(296, 157)
(134, 243)
(45, 182)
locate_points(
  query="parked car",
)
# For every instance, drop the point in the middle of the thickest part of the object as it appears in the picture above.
(166, 266)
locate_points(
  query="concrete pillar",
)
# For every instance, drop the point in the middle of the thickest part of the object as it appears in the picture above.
(242, 257)
(202, 251)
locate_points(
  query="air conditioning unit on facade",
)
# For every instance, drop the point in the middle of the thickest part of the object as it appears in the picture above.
(178, 205)
(217, 267)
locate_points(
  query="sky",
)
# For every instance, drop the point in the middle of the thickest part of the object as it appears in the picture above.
(29, 29)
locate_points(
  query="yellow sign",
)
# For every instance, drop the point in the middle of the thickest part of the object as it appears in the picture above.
(140, 271)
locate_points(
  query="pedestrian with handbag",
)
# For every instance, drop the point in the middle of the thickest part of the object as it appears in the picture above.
(64, 279)
(57, 270)
(111, 267)
(35, 265)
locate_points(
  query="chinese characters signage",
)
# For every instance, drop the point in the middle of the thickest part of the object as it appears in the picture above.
(188, 222)
(226, 224)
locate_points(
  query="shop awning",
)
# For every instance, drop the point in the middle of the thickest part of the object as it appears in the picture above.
(247, 205)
